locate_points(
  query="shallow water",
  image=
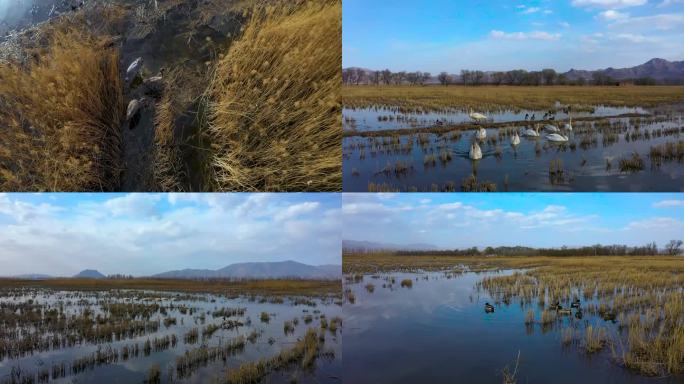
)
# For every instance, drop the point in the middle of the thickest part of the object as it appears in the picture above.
(271, 341)
(374, 119)
(438, 331)
(524, 167)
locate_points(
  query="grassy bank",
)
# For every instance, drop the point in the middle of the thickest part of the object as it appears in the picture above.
(61, 117)
(489, 98)
(274, 116)
(258, 287)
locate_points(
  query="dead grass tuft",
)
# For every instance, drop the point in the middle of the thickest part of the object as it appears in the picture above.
(275, 118)
(61, 117)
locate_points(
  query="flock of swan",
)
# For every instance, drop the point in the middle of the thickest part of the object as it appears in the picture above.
(553, 134)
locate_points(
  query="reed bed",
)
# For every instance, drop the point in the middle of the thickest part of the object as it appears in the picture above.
(275, 116)
(61, 117)
(487, 98)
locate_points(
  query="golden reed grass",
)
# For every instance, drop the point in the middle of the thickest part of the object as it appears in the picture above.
(61, 117)
(275, 115)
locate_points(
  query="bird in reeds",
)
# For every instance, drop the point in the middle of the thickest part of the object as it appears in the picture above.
(478, 117)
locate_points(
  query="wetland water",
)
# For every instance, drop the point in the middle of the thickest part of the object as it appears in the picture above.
(437, 331)
(589, 161)
(44, 330)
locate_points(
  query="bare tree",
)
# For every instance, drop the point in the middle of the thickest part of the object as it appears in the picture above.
(386, 76)
(549, 76)
(674, 247)
(444, 78)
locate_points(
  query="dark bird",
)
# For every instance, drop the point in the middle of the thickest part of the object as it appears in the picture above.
(489, 308)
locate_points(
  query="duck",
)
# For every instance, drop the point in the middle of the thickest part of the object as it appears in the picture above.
(557, 137)
(477, 116)
(489, 307)
(564, 311)
(529, 132)
(475, 151)
(527, 116)
(481, 134)
(555, 306)
(515, 140)
(575, 304)
(579, 314)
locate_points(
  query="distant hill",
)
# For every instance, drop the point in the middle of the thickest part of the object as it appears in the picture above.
(371, 246)
(259, 270)
(89, 274)
(659, 69)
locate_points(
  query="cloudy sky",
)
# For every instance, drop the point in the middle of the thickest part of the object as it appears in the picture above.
(450, 35)
(143, 234)
(529, 219)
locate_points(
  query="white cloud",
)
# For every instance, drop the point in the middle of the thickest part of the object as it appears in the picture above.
(667, 3)
(632, 38)
(655, 223)
(564, 24)
(141, 234)
(297, 210)
(520, 36)
(611, 15)
(134, 204)
(608, 3)
(669, 203)
(658, 22)
(530, 10)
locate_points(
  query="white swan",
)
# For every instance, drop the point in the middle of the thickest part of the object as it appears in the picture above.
(481, 134)
(477, 116)
(551, 128)
(568, 126)
(557, 137)
(475, 151)
(531, 132)
(515, 140)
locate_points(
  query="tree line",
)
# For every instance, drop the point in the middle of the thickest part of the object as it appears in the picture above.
(673, 248)
(518, 77)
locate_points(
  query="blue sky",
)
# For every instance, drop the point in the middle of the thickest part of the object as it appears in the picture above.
(143, 234)
(450, 35)
(530, 219)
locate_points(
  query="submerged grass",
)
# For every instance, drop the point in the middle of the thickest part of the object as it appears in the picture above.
(275, 116)
(61, 117)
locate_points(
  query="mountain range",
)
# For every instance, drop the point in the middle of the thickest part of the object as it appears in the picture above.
(264, 270)
(255, 270)
(659, 69)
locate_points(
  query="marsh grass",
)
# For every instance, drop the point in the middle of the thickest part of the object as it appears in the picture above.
(303, 353)
(275, 117)
(273, 287)
(61, 117)
(496, 98)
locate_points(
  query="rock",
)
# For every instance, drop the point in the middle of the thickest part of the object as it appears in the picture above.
(154, 86)
(134, 69)
(133, 109)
